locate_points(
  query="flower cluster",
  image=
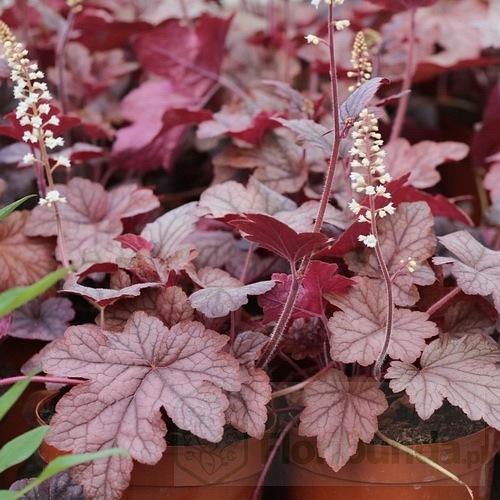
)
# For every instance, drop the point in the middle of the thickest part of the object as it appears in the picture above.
(52, 197)
(368, 174)
(360, 60)
(33, 110)
(328, 2)
(75, 5)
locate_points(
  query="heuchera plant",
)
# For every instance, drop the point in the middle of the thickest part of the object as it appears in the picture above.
(313, 251)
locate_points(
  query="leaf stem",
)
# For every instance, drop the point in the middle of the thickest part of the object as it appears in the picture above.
(425, 460)
(440, 303)
(403, 103)
(301, 385)
(43, 379)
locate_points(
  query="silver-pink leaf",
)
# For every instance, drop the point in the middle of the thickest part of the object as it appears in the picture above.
(168, 232)
(131, 375)
(247, 409)
(340, 412)
(358, 330)
(478, 269)
(406, 234)
(222, 293)
(422, 159)
(463, 370)
(92, 216)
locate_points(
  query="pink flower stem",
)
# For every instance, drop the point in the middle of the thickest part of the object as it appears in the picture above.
(289, 305)
(403, 103)
(45, 380)
(60, 60)
(389, 320)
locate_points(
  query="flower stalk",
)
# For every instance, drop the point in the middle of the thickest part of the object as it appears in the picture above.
(37, 117)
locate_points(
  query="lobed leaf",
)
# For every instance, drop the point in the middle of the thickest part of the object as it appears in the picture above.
(357, 332)
(340, 412)
(422, 159)
(42, 320)
(23, 260)
(247, 410)
(277, 237)
(131, 376)
(222, 293)
(359, 99)
(465, 371)
(234, 198)
(478, 269)
(406, 234)
(92, 216)
(320, 278)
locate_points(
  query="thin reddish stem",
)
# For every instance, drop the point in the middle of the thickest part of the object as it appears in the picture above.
(403, 103)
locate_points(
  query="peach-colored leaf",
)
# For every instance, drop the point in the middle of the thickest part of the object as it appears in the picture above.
(130, 376)
(222, 293)
(234, 198)
(168, 232)
(357, 332)
(340, 412)
(247, 409)
(103, 297)
(462, 370)
(92, 216)
(422, 159)
(478, 269)
(23, 260)
(278, 163)
(171, 305)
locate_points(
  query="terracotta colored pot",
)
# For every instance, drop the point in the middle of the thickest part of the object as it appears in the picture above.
(196, 472)
(380, 472)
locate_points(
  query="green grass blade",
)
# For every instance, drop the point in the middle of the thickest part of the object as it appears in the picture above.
(22, 447)
(10, 208)
(62, 463)
(16, 297)
(8, 495)
(8, 399)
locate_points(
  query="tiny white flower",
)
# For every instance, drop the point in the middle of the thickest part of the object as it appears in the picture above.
(369, 240)
(385, 178)
(53, 142)
(53, 120)
(29, 137)
(29, 159)
(390, 208)
(52, 197)
(312, 39)
(355, 207)
(64, 161)
(342, 24)
(370, 190)
(44, 108)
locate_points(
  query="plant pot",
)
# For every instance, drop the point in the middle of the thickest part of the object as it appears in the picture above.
(196, 472)
(379, 472)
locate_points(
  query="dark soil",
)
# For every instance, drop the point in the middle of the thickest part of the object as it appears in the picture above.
(401, 423)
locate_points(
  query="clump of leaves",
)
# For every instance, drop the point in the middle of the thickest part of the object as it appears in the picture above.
(313, 241)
